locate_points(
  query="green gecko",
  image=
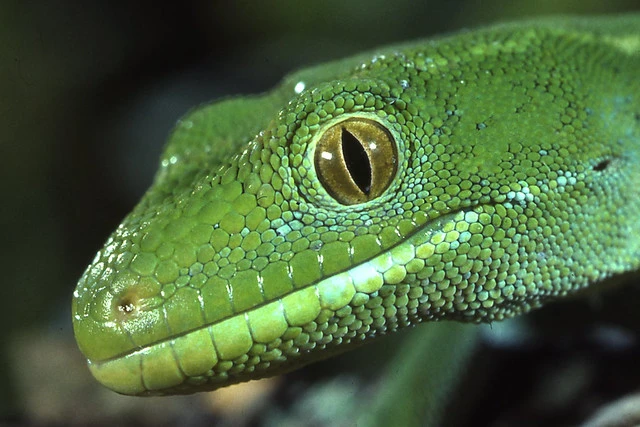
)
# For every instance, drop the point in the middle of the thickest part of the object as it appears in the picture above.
(471, 177)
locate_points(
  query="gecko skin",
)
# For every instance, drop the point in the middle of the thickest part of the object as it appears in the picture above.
(471, 177)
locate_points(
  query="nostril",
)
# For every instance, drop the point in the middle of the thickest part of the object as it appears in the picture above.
(126, 306)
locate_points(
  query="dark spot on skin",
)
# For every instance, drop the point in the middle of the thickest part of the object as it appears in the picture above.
(602, 165)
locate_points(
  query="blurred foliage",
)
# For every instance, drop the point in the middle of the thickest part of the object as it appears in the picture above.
(90, 91)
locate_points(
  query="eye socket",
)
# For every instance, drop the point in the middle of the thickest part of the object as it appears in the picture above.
(355, 160)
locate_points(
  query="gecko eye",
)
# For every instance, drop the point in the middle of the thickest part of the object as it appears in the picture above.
(355, 160)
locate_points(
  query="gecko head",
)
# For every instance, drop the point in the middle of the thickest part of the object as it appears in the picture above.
(365, 204)
(235, 256)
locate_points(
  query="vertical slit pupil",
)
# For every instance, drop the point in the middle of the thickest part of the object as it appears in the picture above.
(357, 161)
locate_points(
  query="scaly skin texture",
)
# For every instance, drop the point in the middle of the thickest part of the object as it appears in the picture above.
(517, 182)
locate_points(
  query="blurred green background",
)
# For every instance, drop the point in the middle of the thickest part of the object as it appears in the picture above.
(89, 92)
